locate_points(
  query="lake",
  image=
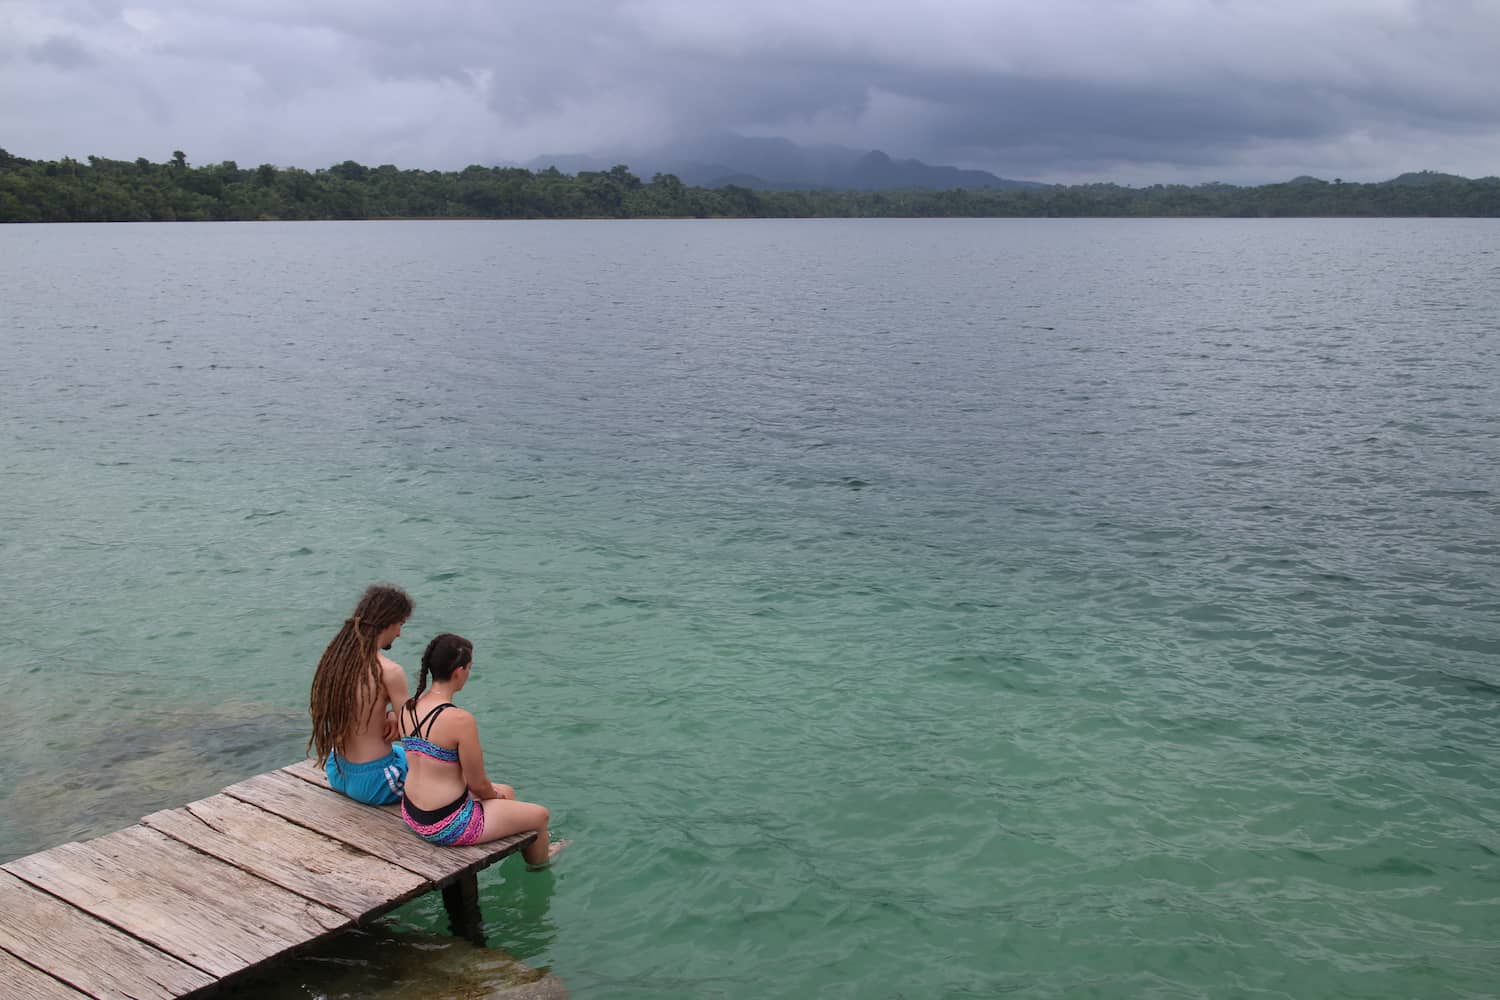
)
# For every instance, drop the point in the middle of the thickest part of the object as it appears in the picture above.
(884, 608)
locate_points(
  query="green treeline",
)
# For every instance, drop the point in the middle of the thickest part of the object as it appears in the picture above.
(101, 190)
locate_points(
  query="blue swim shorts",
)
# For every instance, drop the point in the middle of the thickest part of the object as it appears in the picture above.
(374, 782)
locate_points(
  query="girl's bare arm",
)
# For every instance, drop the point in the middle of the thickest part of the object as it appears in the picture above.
(471, 757)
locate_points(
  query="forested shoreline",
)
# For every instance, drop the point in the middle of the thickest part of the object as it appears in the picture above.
(103, 190)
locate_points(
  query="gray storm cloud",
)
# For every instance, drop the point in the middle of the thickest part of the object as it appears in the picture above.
(1066, 90)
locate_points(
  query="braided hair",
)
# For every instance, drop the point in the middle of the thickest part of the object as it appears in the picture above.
(444, 654)
(348, 675)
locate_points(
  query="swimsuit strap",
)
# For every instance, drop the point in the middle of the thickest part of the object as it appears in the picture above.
(421, 744)
(412, 708)
(429, 720)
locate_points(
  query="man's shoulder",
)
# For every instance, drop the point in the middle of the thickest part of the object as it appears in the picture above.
(389, 666)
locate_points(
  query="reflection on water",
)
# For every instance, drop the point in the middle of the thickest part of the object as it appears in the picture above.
(383, 962)
(515, 904)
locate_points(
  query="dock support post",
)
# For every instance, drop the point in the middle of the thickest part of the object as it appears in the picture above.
(461, 900)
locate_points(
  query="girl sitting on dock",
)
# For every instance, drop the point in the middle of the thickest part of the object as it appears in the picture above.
(448, 799)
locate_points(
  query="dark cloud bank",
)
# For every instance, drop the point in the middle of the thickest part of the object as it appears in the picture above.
(1170, 90)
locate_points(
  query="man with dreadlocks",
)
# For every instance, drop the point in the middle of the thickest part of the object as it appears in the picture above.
(354, 694)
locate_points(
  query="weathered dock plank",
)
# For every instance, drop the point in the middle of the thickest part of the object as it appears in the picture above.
(21, 982)
(376, 831)
(205, 912)
(326, 871)
(308, 770)
(54, 936)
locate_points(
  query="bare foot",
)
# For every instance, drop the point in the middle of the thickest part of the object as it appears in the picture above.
(553, 850)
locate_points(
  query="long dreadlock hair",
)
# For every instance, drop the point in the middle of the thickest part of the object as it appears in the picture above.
(349, 671)
(443, 655)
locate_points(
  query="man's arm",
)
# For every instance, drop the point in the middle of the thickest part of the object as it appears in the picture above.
(394, 679)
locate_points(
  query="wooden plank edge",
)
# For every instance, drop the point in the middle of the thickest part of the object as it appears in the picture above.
(475, 864)
(307, 770)
(210, 981)
(208, 989)
(63, 985)
(345, 840)
(433, 885)
(322, 935)
(358, 916)
(111, 924)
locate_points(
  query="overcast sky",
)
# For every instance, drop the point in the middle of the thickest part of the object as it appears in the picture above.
(1135, 91)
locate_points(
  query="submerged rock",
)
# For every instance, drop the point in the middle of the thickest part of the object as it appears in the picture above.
(380, 963)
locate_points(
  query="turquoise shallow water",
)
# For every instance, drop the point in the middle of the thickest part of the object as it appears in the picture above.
(885, 609)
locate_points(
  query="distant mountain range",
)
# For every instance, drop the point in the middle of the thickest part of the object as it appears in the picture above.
(771, 164)
(1417, 178)
(768, 164)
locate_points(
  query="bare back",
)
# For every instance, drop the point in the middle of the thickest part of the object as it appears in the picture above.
(432, 783)
(370, 741)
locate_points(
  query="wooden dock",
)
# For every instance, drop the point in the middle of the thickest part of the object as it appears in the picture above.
(191, 898)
